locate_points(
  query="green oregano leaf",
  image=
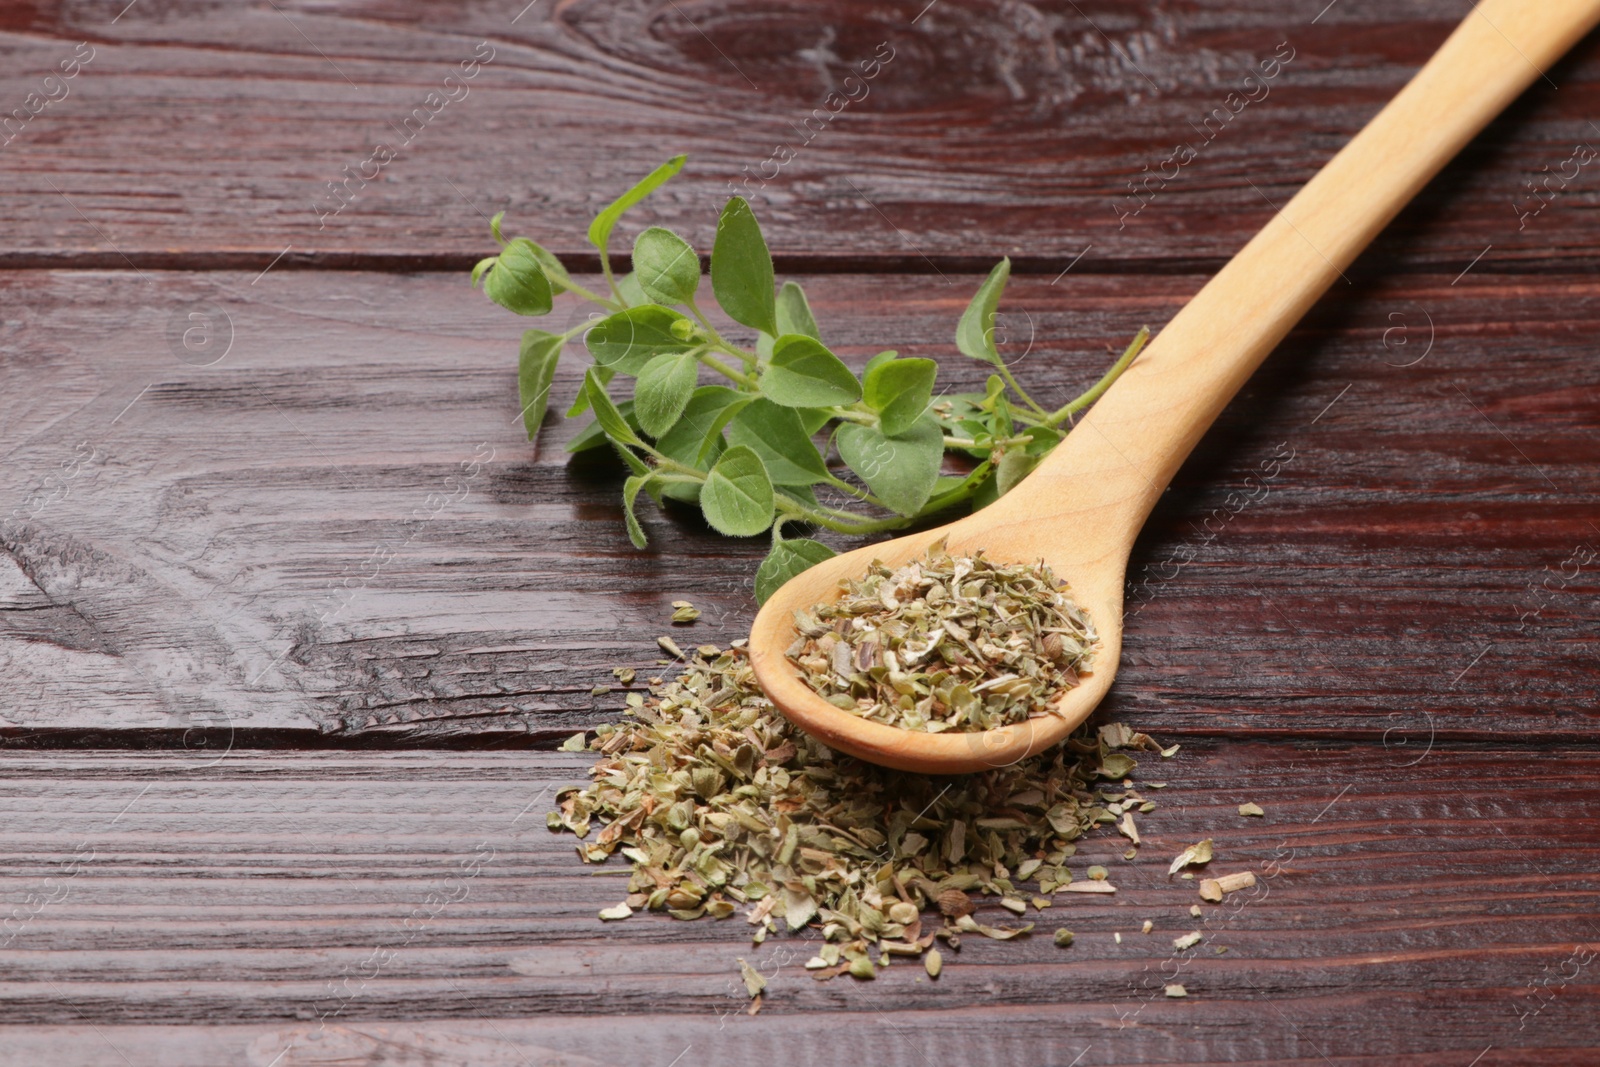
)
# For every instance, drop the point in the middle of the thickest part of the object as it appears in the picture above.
(606, 414)
(787, 559)
(776, 435)
(627, 341)
(663, 390)
(631, 292)
(952, 490)
(704, 416)
(1043, 439)
(901, 470)
(794, 312)
(799, 493)
(804, 374)
(1000, 424)
(877, 361)
(581, 403)
(1014, 466)
(813, 419)
(517, 281)
(593, 435)
(630, 493)
(536, 369)
(737, 495)
(600, 228)
(667, 268)
(794, 316)
(695, 440)
(741, 269)
(900, 390)
(560, 280)
(986, 493)
(975, 331)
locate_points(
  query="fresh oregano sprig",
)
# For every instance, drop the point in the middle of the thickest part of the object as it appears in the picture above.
(743, 446)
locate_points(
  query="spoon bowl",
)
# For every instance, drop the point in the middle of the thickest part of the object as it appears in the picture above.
(1082, 508)
(1092, 569)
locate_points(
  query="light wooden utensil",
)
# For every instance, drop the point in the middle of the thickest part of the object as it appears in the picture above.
(1082, 508)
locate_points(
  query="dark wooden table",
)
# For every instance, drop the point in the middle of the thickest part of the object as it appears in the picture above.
(281, 687)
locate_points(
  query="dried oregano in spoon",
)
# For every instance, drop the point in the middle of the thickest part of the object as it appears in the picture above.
(719, 803)
(945, 643)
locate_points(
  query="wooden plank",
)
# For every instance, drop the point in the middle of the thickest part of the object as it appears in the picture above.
(1405, 907)
(1036, 131)
(339, 530)
(1012, 1036)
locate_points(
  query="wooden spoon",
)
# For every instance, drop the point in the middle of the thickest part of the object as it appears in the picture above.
(1082, 508)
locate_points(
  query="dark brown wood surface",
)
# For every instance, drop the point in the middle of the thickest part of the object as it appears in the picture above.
(207, 132)
(1408, 900)
(286, 638)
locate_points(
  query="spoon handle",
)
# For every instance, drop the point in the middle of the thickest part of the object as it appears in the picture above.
(1106, 476)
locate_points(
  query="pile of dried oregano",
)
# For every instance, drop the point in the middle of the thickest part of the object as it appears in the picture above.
(721, 805)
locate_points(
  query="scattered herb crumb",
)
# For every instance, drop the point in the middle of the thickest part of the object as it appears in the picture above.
(1214, 889)
(1194, 854)
(1063, 938)
(1147, 927)
(1188, 940)
(684, 612)
(575, 743)
(670, 647)
(1251, 809)
(1089, 887)
(754, 983)
(1175, 990)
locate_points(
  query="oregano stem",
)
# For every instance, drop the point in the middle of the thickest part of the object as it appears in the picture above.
(669, 464)
(722, 368)
(862, 495)
(1006, 376)
(717, 340)
(611, 281)
(805, 513)
(967, 442)
(593, 297)
(1095, 391)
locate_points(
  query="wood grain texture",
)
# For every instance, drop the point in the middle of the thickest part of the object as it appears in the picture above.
(206, 132)
(1366, 603)
(1408, 902)
(1082, 509)
(289, 540)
